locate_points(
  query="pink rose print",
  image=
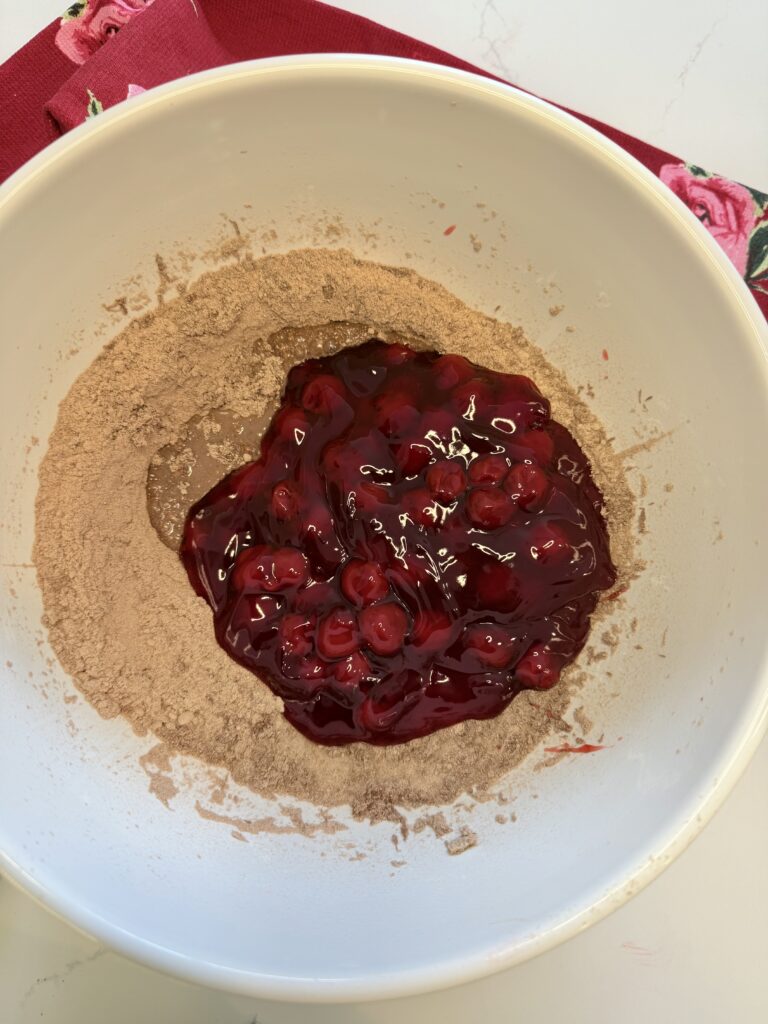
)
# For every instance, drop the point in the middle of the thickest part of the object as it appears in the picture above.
(725, 208)
(134, 90)
(88, 24)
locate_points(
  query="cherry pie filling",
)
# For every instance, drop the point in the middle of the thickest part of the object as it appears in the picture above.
(417, 543)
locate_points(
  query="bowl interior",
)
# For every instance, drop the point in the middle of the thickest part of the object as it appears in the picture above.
(381, 157)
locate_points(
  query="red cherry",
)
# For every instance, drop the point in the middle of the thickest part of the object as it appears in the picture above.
(363, 583)
(342, 463)
(317, 518)
(371, 548)
(517, 386)
(451, 371)
(488, 469)
(412, 458)
(267, 570)
(550, 546)
(285, 501)
(303, 372)
(437, 426)
(387, 701)
(528, 485)
(352, 670)
(395, 354)
(335, 459)
(379, 716)
(536, 445)
(337, 634)
(289, 568)
(322, 394)
(491, 644)
(493, 585)
(419, 506)
(291, 424)
(315, 597)
(255, 613)
(489, 507)
(472, 399)
(447, 480)
(431, 630)
(246, 482)
(394, 413)
(306, 667)
(538, 668)
(370, 497)
(520, 400)
(409, 577)
(383, 627)
(295, 633)
(312, 668)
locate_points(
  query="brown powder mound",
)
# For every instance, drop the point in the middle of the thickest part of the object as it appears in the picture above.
(119, 610)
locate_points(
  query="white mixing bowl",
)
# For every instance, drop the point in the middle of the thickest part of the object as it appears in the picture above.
(563, 217)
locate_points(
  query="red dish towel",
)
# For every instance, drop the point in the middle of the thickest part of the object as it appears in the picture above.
(102, 52)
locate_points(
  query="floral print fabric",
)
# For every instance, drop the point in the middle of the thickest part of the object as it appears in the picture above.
(102, 52)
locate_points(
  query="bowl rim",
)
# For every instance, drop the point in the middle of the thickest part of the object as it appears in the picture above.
(733, 758)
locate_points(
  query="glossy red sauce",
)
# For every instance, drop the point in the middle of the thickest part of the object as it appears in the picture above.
(417, 543)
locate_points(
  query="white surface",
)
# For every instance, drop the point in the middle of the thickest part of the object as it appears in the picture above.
(700, 923)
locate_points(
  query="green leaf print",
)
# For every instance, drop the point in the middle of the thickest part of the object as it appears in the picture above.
(74, 10)
(94, 106)
(761, 198)
(757, 260)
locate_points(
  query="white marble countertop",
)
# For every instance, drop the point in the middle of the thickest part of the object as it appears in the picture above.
(691, 77)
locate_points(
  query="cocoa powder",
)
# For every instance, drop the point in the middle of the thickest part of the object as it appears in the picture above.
(119, 610)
